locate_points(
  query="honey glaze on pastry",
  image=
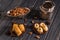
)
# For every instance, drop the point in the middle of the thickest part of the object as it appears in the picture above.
(21, 27)
(44, 26)
(38, 29)
(36, 25)
(16, 29)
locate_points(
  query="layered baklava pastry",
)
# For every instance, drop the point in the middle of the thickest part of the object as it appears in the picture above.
(21, 27)
(44, 26)
(40, 28)
(18, 29)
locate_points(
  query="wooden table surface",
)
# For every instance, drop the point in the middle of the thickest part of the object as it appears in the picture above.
(54, 27)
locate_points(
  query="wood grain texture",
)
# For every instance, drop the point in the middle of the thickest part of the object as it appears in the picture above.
(54, 27)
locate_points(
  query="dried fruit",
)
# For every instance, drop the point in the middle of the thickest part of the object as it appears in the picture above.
(37, 36)
(18, 11)
(30, 33)
(32, 21)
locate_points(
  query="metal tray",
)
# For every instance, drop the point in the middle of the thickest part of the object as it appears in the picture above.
(20, 16)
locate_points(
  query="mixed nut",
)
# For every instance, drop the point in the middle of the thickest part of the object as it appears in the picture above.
(18, 11)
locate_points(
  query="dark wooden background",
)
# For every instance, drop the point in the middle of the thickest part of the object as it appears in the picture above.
(54, 27)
